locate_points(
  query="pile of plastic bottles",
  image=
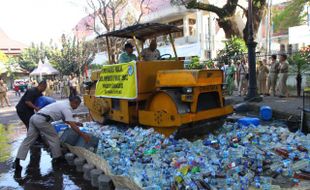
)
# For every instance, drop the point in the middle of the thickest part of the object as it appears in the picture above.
(234, 157)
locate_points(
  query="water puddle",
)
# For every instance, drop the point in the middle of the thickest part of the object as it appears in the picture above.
(38, 171)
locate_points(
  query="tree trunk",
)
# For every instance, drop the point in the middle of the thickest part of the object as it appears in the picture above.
(299, 80)
(230, 27)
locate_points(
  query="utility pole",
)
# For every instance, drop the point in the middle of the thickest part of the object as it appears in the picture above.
(270, 26)
(252, 90)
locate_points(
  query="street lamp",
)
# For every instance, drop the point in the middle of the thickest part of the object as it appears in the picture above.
(252, 89)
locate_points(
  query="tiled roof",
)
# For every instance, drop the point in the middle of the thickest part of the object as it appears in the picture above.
(8, 43)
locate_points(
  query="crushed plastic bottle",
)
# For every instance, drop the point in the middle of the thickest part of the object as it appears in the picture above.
(233, 157)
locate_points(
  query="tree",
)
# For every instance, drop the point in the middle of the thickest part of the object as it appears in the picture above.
(293, 11)
(226, 19)
(3, 58)
(110, 14)
(74, 56)
(31, 56)
(300, 62)
(234, 50)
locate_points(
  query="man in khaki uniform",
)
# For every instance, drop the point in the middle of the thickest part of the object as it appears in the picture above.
(283, 75)
(272, 76)
(262, 72)
(243, 80)
(3, 93)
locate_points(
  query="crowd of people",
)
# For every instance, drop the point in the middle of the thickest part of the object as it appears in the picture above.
(271, 76)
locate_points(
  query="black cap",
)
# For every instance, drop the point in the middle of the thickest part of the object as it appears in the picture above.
(128, 45)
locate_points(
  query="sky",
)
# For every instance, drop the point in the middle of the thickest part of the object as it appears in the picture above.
(40, 20)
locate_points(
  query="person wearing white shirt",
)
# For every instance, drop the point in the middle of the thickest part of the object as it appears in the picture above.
(151, 53)
(40, 123)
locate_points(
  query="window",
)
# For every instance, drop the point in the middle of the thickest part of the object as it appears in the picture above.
(282, 48)
(289, 49)
(179, 24)
(192, 29)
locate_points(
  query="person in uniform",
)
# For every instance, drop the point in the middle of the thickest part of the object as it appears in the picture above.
(25, 107)
(151, 53)
(3, 94)
(283, 74)
(128, 55)
(230, 73)
(40, 123)
(272, 76)
(48, 91)
(262, 72)
(243, 80)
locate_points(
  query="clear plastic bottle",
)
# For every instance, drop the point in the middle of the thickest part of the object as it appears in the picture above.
(276, 167)
(300, 164)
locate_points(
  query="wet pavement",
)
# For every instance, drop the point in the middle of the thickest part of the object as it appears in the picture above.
(38, 171)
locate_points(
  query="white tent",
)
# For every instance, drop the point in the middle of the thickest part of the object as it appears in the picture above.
(44, 69)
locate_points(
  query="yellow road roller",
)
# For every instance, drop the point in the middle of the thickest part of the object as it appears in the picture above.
(158, 93)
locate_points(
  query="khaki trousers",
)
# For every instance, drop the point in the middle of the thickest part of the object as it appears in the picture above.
(38, 126)
(261, 86)
(271, 83)
(243, 85)
(281, 87)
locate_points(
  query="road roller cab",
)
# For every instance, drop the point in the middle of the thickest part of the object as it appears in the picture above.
(159, 93)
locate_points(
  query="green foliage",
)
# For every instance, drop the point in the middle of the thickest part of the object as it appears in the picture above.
(7, 64)
(234, 50)
(31, 56)
(3, 57)
(300, 61)
(209, 64)
(292, 15)
(196, 64)
(73, 56)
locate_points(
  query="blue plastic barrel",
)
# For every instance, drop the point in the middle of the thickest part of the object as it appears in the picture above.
(246, 121)
(43, 101)
(266, 113)
(60, 127)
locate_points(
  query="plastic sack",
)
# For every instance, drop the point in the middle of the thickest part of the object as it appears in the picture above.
(246, 121)
(43, 101)
(60, 127)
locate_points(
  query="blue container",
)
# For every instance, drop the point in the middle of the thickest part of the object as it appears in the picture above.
(266, 113)
(43, 101)
(60, 127)
(246, 121)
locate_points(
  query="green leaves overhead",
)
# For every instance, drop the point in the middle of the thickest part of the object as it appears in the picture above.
(291, 15)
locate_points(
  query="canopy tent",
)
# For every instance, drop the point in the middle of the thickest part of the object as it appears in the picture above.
(13, 68)
(44, 69)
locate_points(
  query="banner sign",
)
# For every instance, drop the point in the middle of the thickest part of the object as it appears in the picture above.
(118, 81)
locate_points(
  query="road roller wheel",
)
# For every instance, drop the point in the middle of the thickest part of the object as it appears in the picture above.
(96, 117)
(162, 103)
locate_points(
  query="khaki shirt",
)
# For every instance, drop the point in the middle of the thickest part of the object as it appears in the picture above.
(274, 67)
(283, 68)
(3, 88)
(262, 72)
(242, 69)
